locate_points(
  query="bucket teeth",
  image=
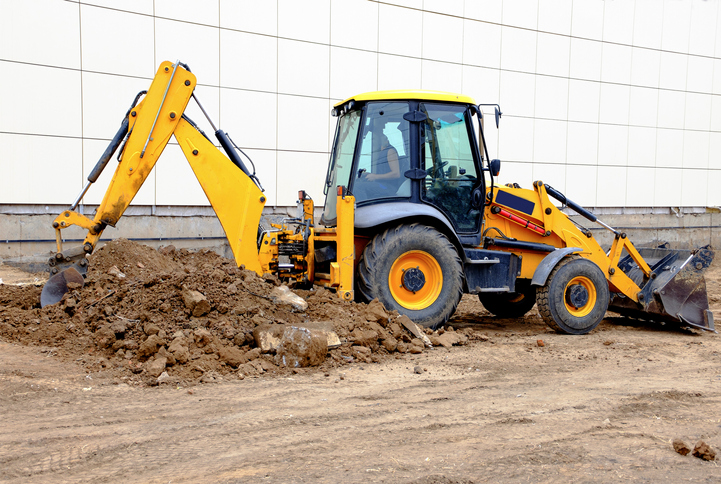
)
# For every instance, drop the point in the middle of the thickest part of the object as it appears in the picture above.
(676, 290)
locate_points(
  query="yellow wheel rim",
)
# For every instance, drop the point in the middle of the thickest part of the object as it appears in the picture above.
(406, 275)
(585, 308)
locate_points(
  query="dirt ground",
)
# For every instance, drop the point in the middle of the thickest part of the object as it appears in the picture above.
(492, 401)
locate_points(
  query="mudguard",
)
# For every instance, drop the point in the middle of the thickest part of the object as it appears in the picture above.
(549, 262)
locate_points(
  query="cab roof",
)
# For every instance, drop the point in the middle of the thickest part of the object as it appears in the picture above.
(419, 95)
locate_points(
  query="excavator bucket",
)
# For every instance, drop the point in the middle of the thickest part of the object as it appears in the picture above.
(59, 284)
(676, 290)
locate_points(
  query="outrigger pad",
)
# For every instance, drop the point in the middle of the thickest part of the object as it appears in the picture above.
(57, 286)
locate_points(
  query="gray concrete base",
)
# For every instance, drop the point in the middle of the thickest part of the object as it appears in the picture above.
(27, 238)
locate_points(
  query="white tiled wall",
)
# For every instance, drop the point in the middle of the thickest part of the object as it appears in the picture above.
(615, 103)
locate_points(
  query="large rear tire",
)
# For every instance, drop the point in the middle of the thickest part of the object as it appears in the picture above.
(510, 304)
(575, 297)
(415, 270)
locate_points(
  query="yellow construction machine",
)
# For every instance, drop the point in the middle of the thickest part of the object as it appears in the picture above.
(412, 217)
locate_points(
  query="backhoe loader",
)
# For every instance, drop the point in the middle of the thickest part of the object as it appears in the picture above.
(412, 217)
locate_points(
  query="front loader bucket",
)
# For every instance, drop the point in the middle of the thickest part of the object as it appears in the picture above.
(676, 290)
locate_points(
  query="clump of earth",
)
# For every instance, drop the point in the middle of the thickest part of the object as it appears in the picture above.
(174, 316)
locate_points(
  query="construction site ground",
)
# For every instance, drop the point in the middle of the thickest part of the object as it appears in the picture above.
(494, 400)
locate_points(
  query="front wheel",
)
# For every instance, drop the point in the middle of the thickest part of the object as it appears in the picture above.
(415, 270)
(575, 297)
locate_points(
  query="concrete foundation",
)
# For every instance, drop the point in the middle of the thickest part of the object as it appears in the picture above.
(27, 238)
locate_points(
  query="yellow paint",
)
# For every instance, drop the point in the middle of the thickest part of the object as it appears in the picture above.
(236, 200)
(431, 269)
(345, 245)
(410, 94)
(563, 233)
(584, 310)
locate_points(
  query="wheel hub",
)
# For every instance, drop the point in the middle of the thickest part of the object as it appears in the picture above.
(413, 279)
(577, 296)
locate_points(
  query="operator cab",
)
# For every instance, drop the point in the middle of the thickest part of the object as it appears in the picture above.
(401, 147)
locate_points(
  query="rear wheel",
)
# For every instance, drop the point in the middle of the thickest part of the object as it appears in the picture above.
(510, 304)
(575, 297)
(415, 270)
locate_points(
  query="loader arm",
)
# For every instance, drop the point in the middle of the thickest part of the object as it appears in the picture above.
(235, 197)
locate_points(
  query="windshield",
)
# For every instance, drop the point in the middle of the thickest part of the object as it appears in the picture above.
(341, 161)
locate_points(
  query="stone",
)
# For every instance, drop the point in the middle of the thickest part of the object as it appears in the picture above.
(196, 302)
(417, 370)
(367, 337)
(301, 347)
(390, 344)
(167, 355)
(104, 337)
(376, 312)
(450, 338)
(151, 329)
(202, 337)
(156, 366)
(179, 349)
(150, 346)
(283, 295)
(114, 271)
(704, 451)
(267, 337)
(163, 378)
(414, 329)
(232, 356)
(681, 447)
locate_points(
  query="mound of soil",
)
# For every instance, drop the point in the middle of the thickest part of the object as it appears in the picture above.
(138, 318)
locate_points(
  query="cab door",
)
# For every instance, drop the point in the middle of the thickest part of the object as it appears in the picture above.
(449, 160)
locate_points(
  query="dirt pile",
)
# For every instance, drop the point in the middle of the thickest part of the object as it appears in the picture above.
(182, 316)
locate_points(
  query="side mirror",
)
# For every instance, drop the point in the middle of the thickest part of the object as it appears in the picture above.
(498, 116)
(495, 167)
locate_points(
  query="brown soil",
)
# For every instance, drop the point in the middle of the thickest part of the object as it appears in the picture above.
(133, 292)
(516, 402)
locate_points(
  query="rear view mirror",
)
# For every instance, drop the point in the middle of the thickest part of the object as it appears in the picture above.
(495, 166)
(498, 116)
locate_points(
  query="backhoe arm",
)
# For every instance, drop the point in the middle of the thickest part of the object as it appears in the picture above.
(233, 194)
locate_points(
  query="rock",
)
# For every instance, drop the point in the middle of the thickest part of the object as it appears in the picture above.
(704, 451)
(119, 328)
(104, 337)
(151, 329)
(362, 350)
(283, 295)
(450, 338)
(196, 302)
(232, 356)
(202, 337)
(376, 312)
(211, 377)
(267, 337)
(390, 344)
(367, 338)
(417, 370)
(253, 354)
(179, 349)
(114, 271)
(540, 343)
(156, 366)
(150, 346)
(167, 355)
(325, 327)
(681, 447)
(163, 378)
(414, 329)
(301, 347)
